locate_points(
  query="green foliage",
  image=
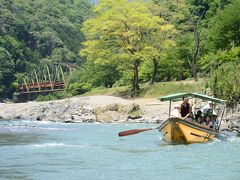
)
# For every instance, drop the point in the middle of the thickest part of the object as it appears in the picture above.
(154, 91)
(78, 88)
(188, 18)
(224, 27)
(223, 51)
(92, 75)
(6, 73)
(169, 68)
(212, 61)
(118, 90)
(33, 32)
(125, 41)
(174, 11)
(225, 82)
(126, 32)
(172, 69)
(215, 6)
(53, 96)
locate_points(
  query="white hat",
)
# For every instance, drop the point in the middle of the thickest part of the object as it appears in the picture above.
(177, 105)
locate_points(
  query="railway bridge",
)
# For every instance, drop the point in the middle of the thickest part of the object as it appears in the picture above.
(45, 79)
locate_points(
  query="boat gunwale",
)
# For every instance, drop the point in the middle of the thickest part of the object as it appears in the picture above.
(189, 124)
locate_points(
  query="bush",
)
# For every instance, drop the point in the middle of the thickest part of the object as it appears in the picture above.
(53, 96)
(225, 82)
(78, 88)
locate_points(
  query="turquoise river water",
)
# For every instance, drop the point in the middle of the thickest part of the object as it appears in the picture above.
(46, 150)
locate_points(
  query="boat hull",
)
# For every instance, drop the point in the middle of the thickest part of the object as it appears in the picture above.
(178, 131)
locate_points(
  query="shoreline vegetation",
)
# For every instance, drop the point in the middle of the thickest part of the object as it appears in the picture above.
(81, 45)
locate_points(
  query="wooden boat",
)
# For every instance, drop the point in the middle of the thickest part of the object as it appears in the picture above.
(178, 131)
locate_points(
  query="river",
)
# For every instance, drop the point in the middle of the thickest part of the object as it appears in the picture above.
(48, 150)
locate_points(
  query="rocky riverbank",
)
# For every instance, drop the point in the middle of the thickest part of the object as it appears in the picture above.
(106, 109)
(232, 121)
(88, 109)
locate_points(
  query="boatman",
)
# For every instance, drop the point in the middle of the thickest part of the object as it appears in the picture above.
(186, 109)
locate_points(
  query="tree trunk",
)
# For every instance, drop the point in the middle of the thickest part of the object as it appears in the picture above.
(154, 74)
(135, 77)
(195, 54)
(194, 71)
(196, 51)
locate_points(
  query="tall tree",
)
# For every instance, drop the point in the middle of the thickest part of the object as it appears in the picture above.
(157, 44)
(120, 31)
(201, 11)
(177, 12)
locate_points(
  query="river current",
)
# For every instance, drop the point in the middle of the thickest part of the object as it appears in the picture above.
(48, 150)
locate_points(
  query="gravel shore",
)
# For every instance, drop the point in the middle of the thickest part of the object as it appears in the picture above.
(106, 109)
(88, 109)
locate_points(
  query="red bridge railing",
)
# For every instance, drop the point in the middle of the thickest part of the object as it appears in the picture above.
(41, 87)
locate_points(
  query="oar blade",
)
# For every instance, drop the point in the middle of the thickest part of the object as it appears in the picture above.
(131, 132)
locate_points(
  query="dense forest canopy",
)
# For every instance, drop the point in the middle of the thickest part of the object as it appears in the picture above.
(121, 42)
(35, 32)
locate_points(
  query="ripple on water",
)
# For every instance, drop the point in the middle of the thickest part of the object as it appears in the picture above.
(54, 144)
(233, 139)
(94, 151)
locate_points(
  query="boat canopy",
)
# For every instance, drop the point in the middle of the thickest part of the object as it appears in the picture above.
(178, 96)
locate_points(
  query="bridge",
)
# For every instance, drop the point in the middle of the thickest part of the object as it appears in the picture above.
(45, 78)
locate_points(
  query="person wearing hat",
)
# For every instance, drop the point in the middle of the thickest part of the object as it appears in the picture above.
(208, 108)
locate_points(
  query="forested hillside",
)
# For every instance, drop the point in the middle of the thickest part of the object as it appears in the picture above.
(120, 42)
(35, 32)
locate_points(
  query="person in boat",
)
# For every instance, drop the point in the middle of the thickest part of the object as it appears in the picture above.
(207, 108)
(186, 109)
(198, 117)
(208, 121)
(176, 111)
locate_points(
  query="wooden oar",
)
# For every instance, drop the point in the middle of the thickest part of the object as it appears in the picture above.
(134, 131)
